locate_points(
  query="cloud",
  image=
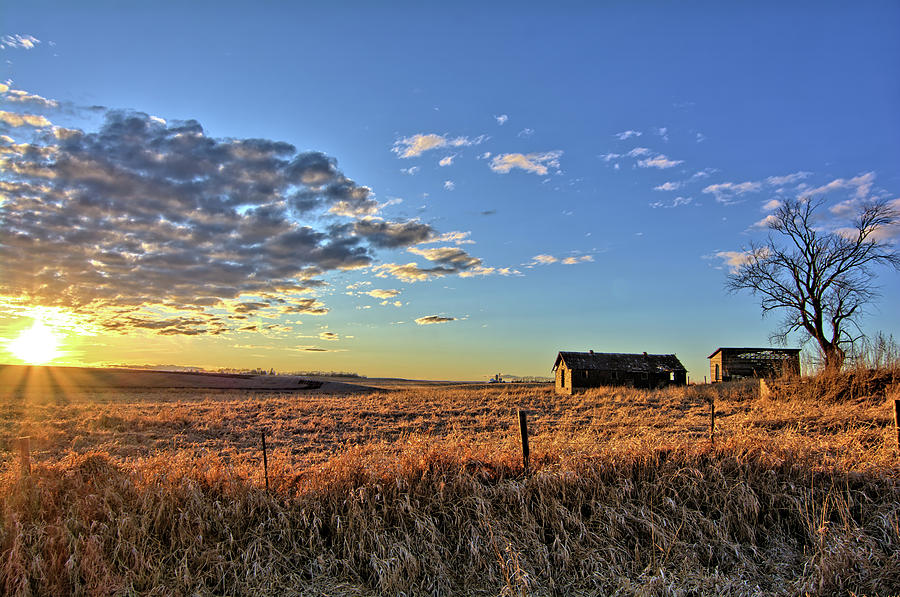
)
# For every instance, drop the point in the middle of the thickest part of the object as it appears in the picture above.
(447, 161)
(382, 294)
(151, 226)
(660, 161)
(668, 186)
(638, 151)
(862, 185)
(25, 42)
(501, 120)
(330, 336)
(432, 319)
(771, 205)
(580, 259)
(628, 134)
(544, 259)
(536, 163)
(525, 133)
(16, 120)
(676, 202)
(447, 260)
(726, 192)
(700, 138)
(735, 259)
(663, 132)
(777, 181)
(23, 97)
(419, 143)
(449, 185)
(765, 222)
(410, 171)
(608, 157)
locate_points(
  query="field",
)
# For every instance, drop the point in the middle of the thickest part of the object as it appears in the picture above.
(392, 487)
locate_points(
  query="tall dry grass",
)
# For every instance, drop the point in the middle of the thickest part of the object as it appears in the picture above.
(422, 493)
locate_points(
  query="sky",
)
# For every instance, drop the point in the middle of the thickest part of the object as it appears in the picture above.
(412, 190)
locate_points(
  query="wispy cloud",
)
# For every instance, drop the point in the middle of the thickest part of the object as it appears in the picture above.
(638, 151)
(861, 184)
(16, 120)
(23, 97)
(447, 160)
(25, 42)
(668, 186)
(545, 259)
(727, 192)
(659, 161)
(419, 143)
(628, 134)
(536, 163)
(608, 157)
(382, 293)
(501, 120)
(449, 185)
(777, 181)
(735, 259)
(525, 133)
(432, 319)
(676, 202)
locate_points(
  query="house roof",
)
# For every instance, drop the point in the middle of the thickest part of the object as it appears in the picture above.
(608, 361)
(788, 351)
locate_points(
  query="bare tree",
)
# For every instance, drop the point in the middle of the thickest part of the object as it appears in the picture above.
(820, 279)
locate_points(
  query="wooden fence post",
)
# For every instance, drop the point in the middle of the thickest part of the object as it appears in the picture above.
(25, 454)
(523, 431)
(712, 420)
(897, 419)
(265, 460)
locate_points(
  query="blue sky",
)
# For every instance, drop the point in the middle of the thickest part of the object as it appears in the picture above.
(561, 178)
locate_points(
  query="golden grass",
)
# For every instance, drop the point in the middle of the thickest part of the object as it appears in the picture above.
(421, 492)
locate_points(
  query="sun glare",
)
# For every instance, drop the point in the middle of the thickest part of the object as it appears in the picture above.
(37, 345)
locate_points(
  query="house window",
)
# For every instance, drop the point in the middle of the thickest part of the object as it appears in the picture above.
(717, 372)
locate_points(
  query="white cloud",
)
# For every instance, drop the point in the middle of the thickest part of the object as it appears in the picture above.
(25, 42)
(764, 223)
(726, 192)
(777, 181)
(862, 184)
(579, 259)
(410, 171)
(638, 151)
(23, 97)
(700, 138)
(771, 205)
(735, 259)
(501, 120)
(419, 143)
(668, 186)
(659, 161)
(676, 202)
(628, 134)
(536, 163)
(449, 185)
(525, 133)
(17, 120)
(446, 161)
(608, 157)
(382, 293)
(663, 132)
(544, 259)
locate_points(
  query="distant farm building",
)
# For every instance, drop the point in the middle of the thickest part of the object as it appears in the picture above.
(727, 364)
(581, 370)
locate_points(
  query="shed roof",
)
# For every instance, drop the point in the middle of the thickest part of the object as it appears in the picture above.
(610, 361)
(785, 351)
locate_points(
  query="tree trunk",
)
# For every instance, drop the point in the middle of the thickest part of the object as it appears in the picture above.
(834, 357)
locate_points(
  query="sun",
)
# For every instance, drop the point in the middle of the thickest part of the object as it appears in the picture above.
(37, 345)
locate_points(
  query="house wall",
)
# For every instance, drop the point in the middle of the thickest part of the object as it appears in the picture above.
(737, 365)
(570, 380)
(715, 368)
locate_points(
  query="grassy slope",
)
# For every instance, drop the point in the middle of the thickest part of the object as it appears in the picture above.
(426, 496)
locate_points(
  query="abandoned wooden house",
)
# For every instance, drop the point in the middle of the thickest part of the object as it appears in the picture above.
(727, 364)
(581, 370)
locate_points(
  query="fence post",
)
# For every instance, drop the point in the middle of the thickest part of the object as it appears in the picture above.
(897, 419)
(25, 454)
(265, 460)
(712, 420)
(523, 431)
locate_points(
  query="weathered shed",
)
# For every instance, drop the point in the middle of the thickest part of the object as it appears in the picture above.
(582, 370)
(727, 364)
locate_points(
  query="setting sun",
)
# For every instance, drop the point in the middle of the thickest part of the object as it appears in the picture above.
(37, 345)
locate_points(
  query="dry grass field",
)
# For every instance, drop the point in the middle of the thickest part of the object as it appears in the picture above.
(418, 489)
